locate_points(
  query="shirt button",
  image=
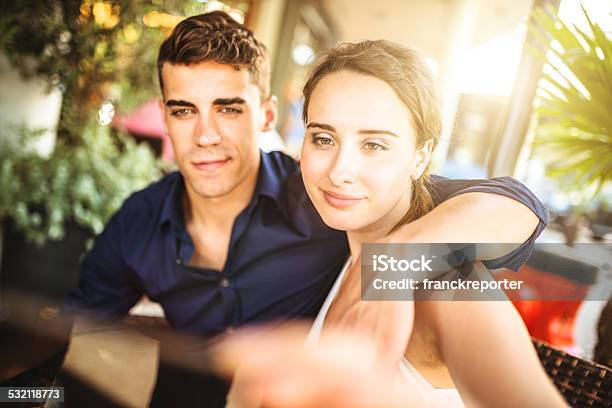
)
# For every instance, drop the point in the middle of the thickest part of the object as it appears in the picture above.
(224, 283)
(179, 261)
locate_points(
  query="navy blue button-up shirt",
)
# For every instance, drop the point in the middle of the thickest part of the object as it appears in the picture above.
(281, 262)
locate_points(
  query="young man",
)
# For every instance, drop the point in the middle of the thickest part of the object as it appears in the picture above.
(232, 238)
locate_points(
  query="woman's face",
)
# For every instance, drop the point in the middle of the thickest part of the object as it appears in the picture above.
(359, 153)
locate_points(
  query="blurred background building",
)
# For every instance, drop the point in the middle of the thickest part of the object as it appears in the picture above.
(476, 49)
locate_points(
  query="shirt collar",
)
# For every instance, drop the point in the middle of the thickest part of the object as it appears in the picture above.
(172, 212)
(269, 184)
(269, 179)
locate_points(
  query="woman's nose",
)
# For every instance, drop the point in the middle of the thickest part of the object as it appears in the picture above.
(344, 169)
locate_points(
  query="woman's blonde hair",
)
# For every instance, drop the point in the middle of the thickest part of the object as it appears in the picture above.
(406, 72)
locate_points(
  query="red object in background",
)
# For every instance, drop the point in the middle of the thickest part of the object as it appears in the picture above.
(146, 121)
(551, 321)
(529, 310)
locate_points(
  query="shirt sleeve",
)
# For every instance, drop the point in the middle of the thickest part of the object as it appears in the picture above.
(107, 287)
(444, 189)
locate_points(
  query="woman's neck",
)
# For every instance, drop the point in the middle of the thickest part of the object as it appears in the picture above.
(356, 239)
(378, 229)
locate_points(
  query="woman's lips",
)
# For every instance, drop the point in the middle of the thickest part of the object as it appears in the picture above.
(210, 165)
(340, 201)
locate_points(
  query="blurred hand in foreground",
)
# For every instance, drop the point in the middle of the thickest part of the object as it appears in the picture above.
(276, 368)
(388, 324)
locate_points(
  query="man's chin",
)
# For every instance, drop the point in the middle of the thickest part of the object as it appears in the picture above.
(205, 187)
(216, 192)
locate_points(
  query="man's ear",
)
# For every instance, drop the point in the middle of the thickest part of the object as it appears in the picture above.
(270, 107)
(422, 159)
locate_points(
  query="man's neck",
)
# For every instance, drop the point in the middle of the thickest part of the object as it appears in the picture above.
(218, 212)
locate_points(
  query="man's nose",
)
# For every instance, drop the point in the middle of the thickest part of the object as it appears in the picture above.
(345, 168)
(207, 133)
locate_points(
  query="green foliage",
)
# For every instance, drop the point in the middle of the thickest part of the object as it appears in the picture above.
(574, 128)
(87, 183)
(93, 50)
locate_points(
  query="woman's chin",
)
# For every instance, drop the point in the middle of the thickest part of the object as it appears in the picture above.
(342, 222)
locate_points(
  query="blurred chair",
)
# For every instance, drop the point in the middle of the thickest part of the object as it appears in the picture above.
(582, 383)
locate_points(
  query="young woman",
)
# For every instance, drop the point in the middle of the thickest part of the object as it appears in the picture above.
(373, 120)
(372, 123)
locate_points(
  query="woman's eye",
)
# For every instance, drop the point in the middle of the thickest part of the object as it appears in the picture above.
(374, 146)
(322, 141)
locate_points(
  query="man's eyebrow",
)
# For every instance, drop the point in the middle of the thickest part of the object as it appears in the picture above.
(321, 126)
(174, 102)
(229, 101)
(377, 132)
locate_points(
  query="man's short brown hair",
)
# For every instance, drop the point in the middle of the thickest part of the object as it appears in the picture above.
(217, 37)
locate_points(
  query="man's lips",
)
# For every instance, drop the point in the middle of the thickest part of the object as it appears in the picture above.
(209, 165)
(340, 200)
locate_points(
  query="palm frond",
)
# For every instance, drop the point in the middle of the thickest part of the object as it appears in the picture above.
(574, 130)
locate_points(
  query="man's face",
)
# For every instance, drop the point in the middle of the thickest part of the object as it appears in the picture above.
(214, 115)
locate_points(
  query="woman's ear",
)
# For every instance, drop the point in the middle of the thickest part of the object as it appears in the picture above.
(422, 158)
(270, 108)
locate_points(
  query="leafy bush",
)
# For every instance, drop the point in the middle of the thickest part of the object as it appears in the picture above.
(85, 183)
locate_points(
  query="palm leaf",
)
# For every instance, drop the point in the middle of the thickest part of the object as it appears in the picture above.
(574, 118)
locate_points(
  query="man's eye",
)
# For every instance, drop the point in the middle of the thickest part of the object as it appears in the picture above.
(182, 113)
(232, 111)
(374, 147)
